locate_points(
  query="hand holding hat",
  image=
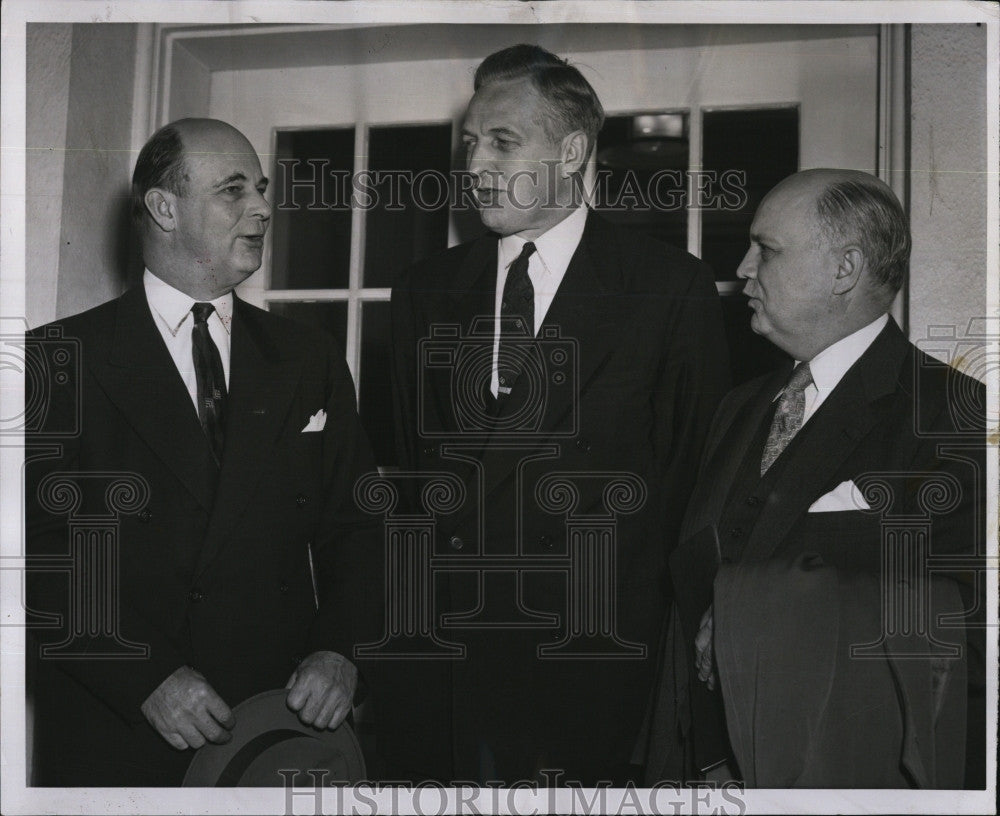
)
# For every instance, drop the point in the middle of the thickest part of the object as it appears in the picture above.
(322, 689)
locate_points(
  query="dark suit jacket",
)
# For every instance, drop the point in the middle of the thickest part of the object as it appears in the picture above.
(213, 567)
(799, 710)
(631, 363)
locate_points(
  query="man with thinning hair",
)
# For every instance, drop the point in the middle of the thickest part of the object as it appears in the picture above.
(588, 360)
(801, 653)
(243, 566)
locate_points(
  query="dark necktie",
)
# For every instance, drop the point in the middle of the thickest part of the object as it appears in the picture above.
(211, 379)
(788, 415)
(517, 320)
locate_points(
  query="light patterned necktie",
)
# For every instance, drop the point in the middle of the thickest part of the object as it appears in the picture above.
(787, 416)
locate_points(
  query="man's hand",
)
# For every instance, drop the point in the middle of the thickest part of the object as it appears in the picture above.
(703, 655)
(322, 688)
(187, 712)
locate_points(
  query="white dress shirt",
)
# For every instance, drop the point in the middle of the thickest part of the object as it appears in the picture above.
(546, 267)
(171, 311)
(831, 364)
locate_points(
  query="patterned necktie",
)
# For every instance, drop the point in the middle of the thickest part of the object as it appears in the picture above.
(211, 379)
(517, 313)
(787, 416)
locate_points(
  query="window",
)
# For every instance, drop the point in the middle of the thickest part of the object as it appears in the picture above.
(334, 264)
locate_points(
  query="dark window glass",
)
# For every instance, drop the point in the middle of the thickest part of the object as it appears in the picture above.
(642, 162)
(331, 317)
(312, 213)
(376, 403)
(409, 176)
(762, 146)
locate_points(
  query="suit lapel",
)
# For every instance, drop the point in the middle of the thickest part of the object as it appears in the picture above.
(726, 453)
(261, 387)
(140, 377)
(829, 438)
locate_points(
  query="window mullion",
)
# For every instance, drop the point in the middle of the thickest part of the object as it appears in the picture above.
(356, 271)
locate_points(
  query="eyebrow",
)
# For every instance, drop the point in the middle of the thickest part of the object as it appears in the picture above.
(239, 177)
(497, 131)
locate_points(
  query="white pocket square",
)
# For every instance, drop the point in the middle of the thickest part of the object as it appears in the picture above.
(844, 496)
(317, 422)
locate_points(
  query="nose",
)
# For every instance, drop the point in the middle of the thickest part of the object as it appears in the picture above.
(477, 158)
(260, 207)
(748, 266)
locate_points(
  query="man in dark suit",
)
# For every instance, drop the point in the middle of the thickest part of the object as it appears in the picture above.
(837, 516)
(223, 444)
(562, 372)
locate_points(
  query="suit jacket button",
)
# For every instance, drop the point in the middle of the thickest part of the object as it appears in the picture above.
(456, 543)
(430, 450)
(196, 595)
(546, 541)
(583, 445)
(736, 532)
(301, 500)
(752, 501)
(283, 587)
(145, 515)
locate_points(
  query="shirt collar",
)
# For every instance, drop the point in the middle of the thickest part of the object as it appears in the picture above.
(174, 307)
(554, 247)
(831, 364)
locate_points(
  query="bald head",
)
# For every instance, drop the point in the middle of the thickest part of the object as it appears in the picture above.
(199, 199)
(161, 162)
(829, 250)
(856, 208)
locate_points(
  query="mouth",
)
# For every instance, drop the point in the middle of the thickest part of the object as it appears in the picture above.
(488, 195)
(254, 240)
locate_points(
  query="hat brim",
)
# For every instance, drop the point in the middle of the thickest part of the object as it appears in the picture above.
(269, 737)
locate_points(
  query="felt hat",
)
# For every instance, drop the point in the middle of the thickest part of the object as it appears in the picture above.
(269, 737)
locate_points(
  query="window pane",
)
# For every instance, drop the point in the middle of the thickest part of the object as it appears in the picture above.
(312, 214)
(642, 163)
(410, 219)
(376, 404)
(763, 144)
(331, 317)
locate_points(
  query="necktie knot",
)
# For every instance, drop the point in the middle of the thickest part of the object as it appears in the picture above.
(526, 252)
(202, 311)
(801, 378)
(788, 415)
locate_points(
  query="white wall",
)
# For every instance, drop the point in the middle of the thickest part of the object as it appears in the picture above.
(948, 176)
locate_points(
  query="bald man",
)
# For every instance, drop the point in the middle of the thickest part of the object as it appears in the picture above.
(805, 648)
(241, 563)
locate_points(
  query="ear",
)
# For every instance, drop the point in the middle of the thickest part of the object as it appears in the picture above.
(574, 153)
(849, 270)
(160, 204)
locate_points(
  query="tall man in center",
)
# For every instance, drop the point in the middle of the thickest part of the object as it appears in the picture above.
(566, 371)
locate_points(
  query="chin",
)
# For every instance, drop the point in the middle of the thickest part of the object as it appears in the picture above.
(494, 220)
